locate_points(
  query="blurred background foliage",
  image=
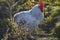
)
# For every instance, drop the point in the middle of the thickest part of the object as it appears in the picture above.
(48, 30)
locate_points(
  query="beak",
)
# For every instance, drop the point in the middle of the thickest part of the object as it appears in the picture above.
(46, 13)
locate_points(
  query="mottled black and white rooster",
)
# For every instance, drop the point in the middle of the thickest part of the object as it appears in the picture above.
(31, 18)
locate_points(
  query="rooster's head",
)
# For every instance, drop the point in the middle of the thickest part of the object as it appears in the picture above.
(41, 6)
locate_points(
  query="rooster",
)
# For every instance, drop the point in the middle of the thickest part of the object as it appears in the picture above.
(31, 18)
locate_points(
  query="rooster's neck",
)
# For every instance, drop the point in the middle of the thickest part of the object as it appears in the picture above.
(35, 11)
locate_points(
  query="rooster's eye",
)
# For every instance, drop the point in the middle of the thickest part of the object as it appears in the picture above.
(40, 7)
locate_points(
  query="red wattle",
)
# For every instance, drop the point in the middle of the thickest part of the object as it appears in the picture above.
(42, 10)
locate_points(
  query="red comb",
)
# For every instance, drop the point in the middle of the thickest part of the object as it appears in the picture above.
(41, 4)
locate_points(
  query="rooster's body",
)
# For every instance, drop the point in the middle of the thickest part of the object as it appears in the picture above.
(29, 19)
